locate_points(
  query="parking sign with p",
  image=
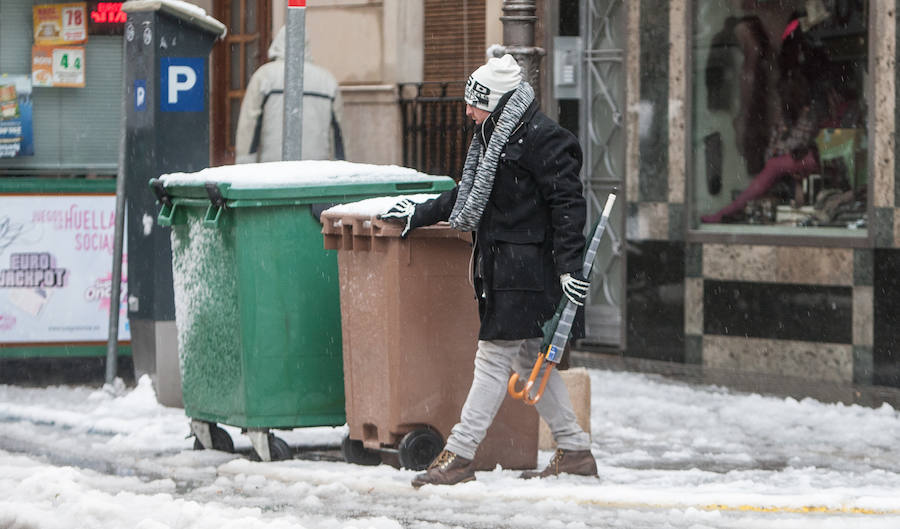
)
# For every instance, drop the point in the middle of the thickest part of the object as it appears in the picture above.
(181, 83)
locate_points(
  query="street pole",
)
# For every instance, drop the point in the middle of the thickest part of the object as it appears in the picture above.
(115, 293)
(295, 49)
(518, 38)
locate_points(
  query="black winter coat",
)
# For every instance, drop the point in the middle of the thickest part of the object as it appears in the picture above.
(531, 231)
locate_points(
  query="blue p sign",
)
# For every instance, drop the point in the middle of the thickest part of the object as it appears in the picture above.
(181, 84)
(140, 94)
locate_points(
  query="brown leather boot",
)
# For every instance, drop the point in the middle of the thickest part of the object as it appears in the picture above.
(578, 462)
(446, 469)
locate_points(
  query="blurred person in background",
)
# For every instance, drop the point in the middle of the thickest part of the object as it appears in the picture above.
(261, 119)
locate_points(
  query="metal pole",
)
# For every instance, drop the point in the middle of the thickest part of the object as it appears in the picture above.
(112, 340)
(518, 38)
(295, 48)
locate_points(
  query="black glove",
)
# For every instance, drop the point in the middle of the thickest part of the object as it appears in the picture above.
(403, 211)
(575, 287)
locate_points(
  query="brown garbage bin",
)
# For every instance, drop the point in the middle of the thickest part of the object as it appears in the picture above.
(409, 325)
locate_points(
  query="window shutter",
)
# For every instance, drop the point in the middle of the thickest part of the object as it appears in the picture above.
(454, 39)
(76, 130)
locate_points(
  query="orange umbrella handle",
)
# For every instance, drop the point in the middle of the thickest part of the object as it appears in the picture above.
(511, 387)
(532, 378)
(540, 392)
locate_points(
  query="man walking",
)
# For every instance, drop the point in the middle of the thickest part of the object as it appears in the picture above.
(521, 196)
(259, 134)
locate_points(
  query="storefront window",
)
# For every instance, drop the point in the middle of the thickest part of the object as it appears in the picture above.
(67, 119)
(779, 115)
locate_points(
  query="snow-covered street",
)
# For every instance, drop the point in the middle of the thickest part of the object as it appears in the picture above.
(670, 455)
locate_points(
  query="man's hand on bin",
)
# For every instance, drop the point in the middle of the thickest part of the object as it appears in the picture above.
(402, 210)
(575, 286)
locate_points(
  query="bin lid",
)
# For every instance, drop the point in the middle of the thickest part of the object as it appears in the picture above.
(373, 207)
(305, 181)
(360, 219)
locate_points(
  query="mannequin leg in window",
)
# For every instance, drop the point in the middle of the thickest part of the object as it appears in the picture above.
(763, 181)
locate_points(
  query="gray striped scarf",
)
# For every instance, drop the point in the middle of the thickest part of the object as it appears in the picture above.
(478, 176)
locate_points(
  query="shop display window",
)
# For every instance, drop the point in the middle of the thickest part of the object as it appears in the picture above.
(779, 115)
(63, 130)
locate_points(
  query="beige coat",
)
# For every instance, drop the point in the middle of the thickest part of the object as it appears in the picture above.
(264, 100)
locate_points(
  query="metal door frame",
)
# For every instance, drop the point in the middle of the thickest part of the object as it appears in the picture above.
(604, 35)
(223, 95)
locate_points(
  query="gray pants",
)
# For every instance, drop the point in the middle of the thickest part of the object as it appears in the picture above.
(494, 362)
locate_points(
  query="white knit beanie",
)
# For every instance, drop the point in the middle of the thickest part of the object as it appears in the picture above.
(488, 83)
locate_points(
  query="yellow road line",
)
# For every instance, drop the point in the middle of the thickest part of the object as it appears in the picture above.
(808, 509)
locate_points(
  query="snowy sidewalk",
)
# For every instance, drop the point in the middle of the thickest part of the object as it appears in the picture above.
(670, 455)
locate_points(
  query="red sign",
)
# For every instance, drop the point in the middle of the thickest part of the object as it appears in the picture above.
(296, 3)
(106, 18)
(108, 13)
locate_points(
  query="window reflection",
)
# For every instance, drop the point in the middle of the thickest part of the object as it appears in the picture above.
(779, 113)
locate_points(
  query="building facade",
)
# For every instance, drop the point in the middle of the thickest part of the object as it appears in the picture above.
(370, 46)
(676, 103)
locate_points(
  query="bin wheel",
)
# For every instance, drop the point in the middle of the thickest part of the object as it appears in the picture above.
(278, 450)
(220, 440)
(354, 452)
(418, 448)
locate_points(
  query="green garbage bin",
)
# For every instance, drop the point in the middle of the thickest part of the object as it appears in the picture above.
(256, 295)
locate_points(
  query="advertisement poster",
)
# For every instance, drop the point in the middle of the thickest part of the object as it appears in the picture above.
(60, 67)
(56, 269)
(16, 125)
(60, 24)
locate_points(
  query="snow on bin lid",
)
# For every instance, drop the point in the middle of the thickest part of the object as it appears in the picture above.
(180, 9)
(307, 181)
(372, 207)
(299, 173)
(344, 222)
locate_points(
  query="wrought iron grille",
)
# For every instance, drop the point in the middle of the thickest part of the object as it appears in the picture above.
(436, 132)
(604, 29)
(604, 33)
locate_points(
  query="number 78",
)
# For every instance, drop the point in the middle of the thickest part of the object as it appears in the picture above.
(73, 16)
